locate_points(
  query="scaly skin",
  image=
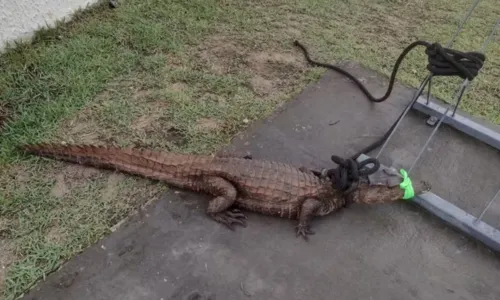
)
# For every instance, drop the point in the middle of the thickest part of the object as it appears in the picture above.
(266, 187)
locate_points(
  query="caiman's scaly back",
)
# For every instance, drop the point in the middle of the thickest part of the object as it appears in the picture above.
(267, 187)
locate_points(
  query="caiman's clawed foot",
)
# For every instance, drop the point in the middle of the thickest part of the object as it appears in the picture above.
(230, 217)
(304, 231)
(236, 213)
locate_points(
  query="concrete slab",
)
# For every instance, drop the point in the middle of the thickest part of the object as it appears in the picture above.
(397, 251)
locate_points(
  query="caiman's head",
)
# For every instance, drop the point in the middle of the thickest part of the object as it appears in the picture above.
(375, 185)
(372, 194)
(382, 184)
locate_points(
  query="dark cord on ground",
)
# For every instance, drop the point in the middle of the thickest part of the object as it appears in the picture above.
(441, 62)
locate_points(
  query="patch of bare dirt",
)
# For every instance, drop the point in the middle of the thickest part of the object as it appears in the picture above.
(273, 72)
(85, 133)
(80, 129)
(174, 136)
(173, 61)
(220, 100)
(207, 124)
(150, 129)
(145, 121)
(4, 116)
(73, 172)
(69, 177)
(269, 71)
(141, 94)
(260, 61)
(178, 87)
(7, 254)
(275, 66)
(292, 31)
(60, 188)
(112, 186)
(4, 227)
(92, 125)
(16, 175)
(220, 55)
(261, 86)
(54, 235)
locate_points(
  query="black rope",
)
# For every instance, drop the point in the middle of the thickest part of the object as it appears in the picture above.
(441, 62)
(449, 62)
(347, 175)
(349, 171)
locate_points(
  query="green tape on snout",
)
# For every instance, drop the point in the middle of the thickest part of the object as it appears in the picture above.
(406, 185)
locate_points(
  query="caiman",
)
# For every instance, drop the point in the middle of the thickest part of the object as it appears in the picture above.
(267, 187)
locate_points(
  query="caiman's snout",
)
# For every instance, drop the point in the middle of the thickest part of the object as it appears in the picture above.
(385, 194)
(389, 184)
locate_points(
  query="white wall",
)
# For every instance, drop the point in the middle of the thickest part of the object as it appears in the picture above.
(20, 18)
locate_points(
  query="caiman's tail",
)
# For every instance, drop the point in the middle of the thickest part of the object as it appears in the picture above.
(145, 163)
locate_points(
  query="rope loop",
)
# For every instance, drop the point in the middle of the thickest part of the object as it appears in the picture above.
(449, 62)
(346, 176)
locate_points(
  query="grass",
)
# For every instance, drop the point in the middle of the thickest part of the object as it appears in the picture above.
(184, 77)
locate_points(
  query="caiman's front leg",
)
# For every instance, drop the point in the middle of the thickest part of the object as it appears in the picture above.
(225, 196)
(306, 212)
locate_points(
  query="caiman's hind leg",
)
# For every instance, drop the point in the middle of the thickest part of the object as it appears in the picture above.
(225, 196)
(306, 212)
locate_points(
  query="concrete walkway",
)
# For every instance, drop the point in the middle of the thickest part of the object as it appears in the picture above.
(395, 251)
